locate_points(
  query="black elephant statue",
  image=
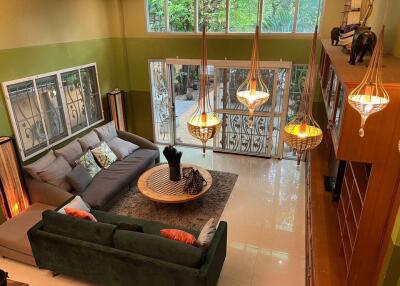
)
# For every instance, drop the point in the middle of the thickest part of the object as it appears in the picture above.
(335, 35)
(364, 41)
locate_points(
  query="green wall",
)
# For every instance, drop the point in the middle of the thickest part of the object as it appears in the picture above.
(28, 61)
(141, 50)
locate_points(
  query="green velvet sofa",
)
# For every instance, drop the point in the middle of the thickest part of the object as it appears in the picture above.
(104, 254)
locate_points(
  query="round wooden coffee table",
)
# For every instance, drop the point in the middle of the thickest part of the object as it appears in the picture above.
(155, 185)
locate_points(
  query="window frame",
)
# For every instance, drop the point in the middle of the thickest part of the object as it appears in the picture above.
(197, 31)
(66, 118)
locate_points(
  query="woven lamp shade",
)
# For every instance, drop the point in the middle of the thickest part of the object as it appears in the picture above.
(204, 123)
(303, 132)
(302, 137)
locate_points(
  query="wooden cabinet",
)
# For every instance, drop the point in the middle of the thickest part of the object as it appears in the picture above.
(369, 200)
(337, 79)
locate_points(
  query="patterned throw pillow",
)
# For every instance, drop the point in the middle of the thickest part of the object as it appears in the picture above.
(104, 155)
(87, 160)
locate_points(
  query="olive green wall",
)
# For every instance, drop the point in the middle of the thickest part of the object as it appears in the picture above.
(28, 61)
(141, 50)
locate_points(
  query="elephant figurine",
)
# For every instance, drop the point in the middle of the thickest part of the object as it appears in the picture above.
(335, 35)
(364, 41)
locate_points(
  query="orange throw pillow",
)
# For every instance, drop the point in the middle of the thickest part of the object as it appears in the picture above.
(178, 235)
(80, 214)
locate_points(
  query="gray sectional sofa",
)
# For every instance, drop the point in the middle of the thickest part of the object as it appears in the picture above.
(105, 187)
(100, 194)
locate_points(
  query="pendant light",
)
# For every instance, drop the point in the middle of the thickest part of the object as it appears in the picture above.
(370, 96)
(303, 132)
(204, 124)
(253, 92)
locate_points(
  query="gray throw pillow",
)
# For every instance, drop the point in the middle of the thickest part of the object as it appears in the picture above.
(89, 141)
(76, 203)
(56, 174)
(207, 234)
(106, 132)
(79, 178)
(39, 165)
(122, 148)
(70, 152)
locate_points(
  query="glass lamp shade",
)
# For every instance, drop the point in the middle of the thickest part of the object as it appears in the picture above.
(370, 96)
(301, 135)
(204, 126)
(252, 93)
(368, 99)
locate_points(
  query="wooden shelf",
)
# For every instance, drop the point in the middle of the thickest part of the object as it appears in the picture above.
(337, 79)
(370, 196)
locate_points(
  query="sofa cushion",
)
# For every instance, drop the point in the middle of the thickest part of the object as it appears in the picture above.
(79, 178)
(207, 233)
(178, 235)
(40, 164)
(122, 148)
(114, 179)
(158, 247)
(107, 217)
(56, 173)
(104, 155)
(87, 160)
(155, 227)
(70, 152)
(76, 203)
(81, 229)
(89, 140)
(107, 131)
(13, 232)
(80, 214)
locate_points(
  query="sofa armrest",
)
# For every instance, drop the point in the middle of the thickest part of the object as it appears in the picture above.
(136, 139)
(41, 192)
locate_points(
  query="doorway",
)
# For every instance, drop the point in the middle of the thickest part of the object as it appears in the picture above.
(175, 90)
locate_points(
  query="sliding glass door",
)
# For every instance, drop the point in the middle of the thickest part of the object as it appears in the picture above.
(175, 91)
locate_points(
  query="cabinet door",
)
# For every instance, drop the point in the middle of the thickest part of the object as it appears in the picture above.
(339, 110)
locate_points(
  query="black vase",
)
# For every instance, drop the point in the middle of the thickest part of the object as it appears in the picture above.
(3, 278)
(174, 172)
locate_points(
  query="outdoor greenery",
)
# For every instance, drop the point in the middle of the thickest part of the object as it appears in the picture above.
(278, 15)
(181, 15)
(308, 11)
(243, 15)
(214, 14)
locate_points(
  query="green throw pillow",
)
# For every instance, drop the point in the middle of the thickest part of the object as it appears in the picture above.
(87, 160)
(104, 155)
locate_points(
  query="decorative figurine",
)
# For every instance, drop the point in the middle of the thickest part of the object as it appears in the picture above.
(335, 35)
(364, 41)
(174, 161)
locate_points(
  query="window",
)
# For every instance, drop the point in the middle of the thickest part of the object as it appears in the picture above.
(232, 16)
(48, 109)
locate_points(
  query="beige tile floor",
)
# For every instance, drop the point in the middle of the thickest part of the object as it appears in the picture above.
(266, 224)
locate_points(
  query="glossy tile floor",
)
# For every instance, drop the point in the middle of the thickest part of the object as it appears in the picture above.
(266, 224)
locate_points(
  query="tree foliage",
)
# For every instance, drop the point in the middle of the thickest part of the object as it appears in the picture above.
(278, 15)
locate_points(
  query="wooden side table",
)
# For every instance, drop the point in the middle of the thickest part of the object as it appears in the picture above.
(155, 185)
